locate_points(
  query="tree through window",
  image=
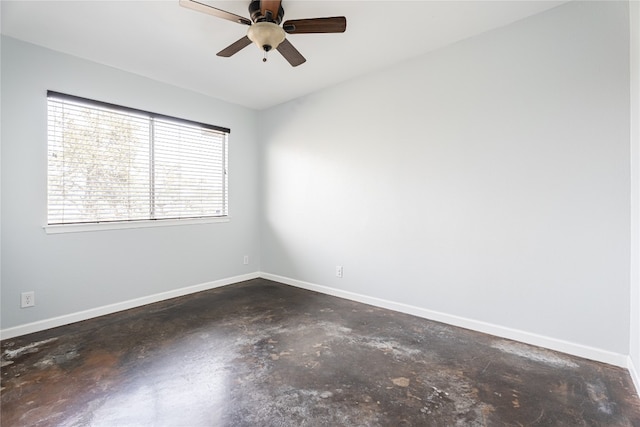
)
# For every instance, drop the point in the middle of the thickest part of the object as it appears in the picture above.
(109, 163)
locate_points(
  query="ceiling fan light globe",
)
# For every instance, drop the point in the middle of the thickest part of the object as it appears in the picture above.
(265, 34)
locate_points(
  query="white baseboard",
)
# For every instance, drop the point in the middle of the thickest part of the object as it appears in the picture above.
(120, 306)
(635, 375)
(487, 328)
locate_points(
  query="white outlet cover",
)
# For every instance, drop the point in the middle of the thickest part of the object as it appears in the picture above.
(27, 299)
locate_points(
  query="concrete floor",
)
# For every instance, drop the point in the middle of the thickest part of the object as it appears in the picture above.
(259, 353)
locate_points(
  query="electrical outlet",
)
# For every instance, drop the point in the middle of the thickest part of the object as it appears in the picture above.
(27, 299)
(246, 260)
(338, 270)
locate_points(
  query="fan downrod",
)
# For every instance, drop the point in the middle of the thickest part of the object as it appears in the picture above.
(255, 11)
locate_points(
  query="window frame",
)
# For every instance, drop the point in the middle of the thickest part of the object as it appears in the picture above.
(137, 223)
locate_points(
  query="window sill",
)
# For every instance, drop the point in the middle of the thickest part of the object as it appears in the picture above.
(103, 226)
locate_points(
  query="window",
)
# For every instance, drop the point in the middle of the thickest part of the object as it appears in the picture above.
(108, 163)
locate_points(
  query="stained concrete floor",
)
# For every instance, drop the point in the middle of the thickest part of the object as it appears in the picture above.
(259, 353)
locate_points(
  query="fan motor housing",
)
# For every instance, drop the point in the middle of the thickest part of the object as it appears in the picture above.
(256, 13)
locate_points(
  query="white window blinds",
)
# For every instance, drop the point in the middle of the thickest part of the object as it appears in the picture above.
(109, 163)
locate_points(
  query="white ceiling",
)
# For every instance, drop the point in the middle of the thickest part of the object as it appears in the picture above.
(175, 45)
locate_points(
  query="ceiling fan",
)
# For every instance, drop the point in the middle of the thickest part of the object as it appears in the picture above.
(265, 30)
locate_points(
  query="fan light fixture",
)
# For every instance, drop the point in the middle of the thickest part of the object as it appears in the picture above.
(265, 30)
(266, 35)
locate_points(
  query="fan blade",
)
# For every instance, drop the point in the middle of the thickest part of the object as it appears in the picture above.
(272, 6)
(336, 24)
(204, 8)
(234, 48)
(290, 53)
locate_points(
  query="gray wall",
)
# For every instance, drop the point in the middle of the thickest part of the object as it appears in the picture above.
(489, 180)
(635, 189)
(80, 271)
